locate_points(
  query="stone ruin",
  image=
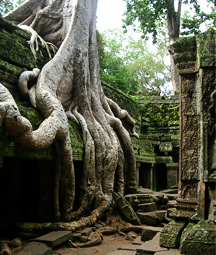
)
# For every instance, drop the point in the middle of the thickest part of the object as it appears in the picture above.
(193, 228)
(31, 173)
(157, 151)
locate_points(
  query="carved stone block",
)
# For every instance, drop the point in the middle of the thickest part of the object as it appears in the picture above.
(171, 233)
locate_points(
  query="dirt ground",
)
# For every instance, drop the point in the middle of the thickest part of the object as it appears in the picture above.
(109, 243)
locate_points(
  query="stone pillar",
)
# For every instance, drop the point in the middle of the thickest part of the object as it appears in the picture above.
(152, 176)
(172, 174)
(137, 172)
(196, 60)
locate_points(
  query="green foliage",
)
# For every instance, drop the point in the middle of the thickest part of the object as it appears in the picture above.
(192, 23)
(5, 6)
(8, 5)
(160, 114)
(150, 15)
(113, 69)
(127, 64)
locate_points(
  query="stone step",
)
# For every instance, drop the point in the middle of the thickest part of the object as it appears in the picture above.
(137, 241)
(169, 252)
(149, 232)
(135, 199)
(128, 247)
(170, 204)
(35, 248)
(142, 190)
(152, 218)
(150, 247)
(170, 191)
(54, 238)
(147, 207)
(171, 196)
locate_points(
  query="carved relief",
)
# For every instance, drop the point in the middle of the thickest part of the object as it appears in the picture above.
(209, 85)
(190, 147)
(188, 95)
(189, 191)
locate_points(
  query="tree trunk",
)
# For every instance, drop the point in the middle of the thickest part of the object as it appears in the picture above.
(173, 23)
(69, 86)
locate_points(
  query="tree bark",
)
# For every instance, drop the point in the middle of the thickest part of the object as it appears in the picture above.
(173, 23)
(69, 86)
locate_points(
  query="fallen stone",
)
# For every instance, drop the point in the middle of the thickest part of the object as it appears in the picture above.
(147, 207)
(126, 209)
(149, 232)
(172, 196)
(128, 247)
(76, 236)
(152, 218)
(135, 199)
(168, 252)
(160, 198)
(54, 238)
(137, 241)
(199, 239)
(86, 232)
(170, 191)
(142, 190)
(150, 247)
(35, 248)
(171, 233)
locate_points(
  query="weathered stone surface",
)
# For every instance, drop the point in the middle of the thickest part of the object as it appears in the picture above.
(147, 207)
(199, 239)
(170, 191)
(137, 241)
(150, 247)
(125, 209)
(54, 238)
(152, 218)
(35, 248)
(170, 204)
(86, 232)
(129, 247)
(76, 236)
(142, 190)
(135, 199)
(168, 252)
(149, 232)
(120, 252)
(171, 233)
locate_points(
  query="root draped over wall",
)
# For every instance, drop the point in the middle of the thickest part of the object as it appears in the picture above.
(69, 87)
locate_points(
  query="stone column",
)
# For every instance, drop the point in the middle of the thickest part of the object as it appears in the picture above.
(195, 59)
(172, 174)
(137, 173)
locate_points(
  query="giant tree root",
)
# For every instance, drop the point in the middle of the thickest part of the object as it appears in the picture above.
(95, 238)
(72, 226)
(9, 246)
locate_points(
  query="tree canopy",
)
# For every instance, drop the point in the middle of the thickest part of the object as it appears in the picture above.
(151, 15)
(8, 5)
(130, 65)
